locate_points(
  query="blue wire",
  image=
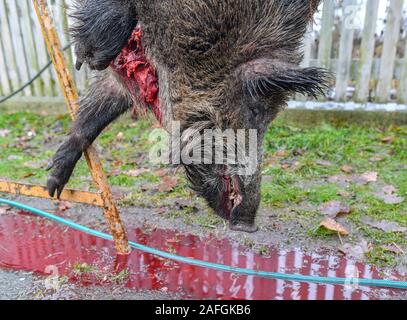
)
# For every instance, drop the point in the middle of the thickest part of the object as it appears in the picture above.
(215, 266)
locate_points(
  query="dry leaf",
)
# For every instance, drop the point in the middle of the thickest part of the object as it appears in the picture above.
(324, 163)
(120, 136)
(347, 169)
(285, 166)
(282, 154)
(389, 189)
(28, 175)
(332, 225)
(386, 226)
(63, 206)
(340, 179)
(344, 194)
(168, 184)
(148, 187)
(136, 172)
(357, 251)
(161, 172)
(365, 178)
(393, 199)
(334, 208)
(4, 210)
(388, 140)
(298, 152)
(376, 159)
(388, 195)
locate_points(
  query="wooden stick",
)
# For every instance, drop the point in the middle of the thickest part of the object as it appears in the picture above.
(71, 96)
(30, 190)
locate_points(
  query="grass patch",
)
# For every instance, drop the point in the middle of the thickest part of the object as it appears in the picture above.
(296, 178)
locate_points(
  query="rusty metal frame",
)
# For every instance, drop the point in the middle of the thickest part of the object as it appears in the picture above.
(102, 199)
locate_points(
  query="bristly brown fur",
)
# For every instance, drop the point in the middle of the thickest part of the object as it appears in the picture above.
(222, 64)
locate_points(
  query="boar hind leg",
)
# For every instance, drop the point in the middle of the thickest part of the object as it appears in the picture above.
(106, 100)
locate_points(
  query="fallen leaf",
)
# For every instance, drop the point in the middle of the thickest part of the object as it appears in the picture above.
(63, 206)
(148, 187)
(389, 189)
(161, 172)
(334, 208)
(168, 184)
(388, 140)
(323, 163)
(4, 133)
(356, 251)
(365, 178)
(285, 166)
(341, 179)
(346, 169)
(389, 196)
(28, 175)
(136, 172)
(376, 159)
(120, 136)
(344, 194)
(384, 225)
(332, 225)
(282, 154)
(4, 210)
(393, 199)
(298, 152)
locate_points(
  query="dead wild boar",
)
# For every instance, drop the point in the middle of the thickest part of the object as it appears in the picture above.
(206, 64)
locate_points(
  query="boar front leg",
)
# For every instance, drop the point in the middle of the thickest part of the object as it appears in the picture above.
(106, 100)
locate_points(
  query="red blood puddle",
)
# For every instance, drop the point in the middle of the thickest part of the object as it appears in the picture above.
(33, 244)
(137, 71)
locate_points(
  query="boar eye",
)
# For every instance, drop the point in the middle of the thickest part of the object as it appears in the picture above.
(309, 81)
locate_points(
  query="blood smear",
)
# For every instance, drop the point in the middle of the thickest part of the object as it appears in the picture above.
(135, 69)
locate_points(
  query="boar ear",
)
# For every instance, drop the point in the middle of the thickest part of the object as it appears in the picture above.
(265, 78)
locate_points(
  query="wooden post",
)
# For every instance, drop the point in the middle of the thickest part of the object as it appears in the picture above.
(325, 40)
(388, 59)
(71, 96)
(345, 53)
(367, 51)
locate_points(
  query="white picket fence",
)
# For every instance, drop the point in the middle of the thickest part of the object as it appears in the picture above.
(23, 52)
(368, 66)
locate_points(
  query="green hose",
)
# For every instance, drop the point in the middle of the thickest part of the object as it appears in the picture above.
(215, 266)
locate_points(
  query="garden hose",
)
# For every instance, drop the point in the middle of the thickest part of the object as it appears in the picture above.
(210, 265)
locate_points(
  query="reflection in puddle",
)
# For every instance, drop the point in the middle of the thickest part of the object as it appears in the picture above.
(34, 244)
